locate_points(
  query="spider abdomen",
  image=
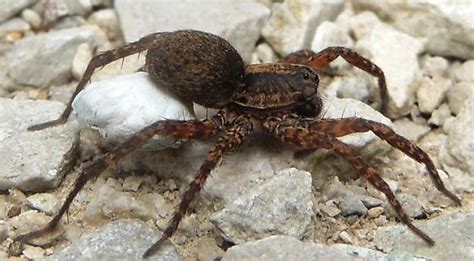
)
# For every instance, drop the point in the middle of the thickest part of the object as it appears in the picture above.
(197, 66)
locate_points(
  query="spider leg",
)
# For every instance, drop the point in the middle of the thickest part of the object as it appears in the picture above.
(99, 60)
(235, 135)
(194, 129)
(307, 139)
(342, 127)
(320, 60)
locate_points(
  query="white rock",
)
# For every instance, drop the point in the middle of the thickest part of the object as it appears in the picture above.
(460, 143)
(122, 106)
(292, 24)
(11, 8)
(239, 22)
(280, 205)
(465, 72)
(396, 54)
(265, 53)
(329, 34)
(434, 65)
(447, 25)
(409, 129)
(81, 60)
(439, 116)
(34, 161)
(33, 253)
(108, 21)
(355, 86)
(431, 92)
(15, 25)
(458, 94)
(32, 17)
(46, 59)
(363, 23)
(44, 202)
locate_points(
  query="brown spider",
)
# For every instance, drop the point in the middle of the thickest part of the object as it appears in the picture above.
(280, 97)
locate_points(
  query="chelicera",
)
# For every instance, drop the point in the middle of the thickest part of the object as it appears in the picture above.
(280, 97)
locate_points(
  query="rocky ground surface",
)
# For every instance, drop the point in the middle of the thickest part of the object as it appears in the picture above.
(261, 203)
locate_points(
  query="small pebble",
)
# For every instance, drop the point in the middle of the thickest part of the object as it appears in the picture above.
(207, 249)
(190, 225)
(381, 220)
(265, 53)
(435, 65)
(14, 36)
(44, 202)
(81, 60)
(375, 212)
(32, 17)
(3, 230)
(350, 205)
(466, 71)
(346, 238)
(33, 253)
(329, 209)
(132, 183)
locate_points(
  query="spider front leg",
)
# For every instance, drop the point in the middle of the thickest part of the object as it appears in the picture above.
(310, 139)
(342, 127)
(320, 60)
(184, 130)
(99, 60)
(236, 134)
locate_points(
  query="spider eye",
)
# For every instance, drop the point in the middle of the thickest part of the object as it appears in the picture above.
(306, 76)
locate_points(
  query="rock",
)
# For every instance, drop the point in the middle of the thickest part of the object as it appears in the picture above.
(29, 221)
(329, 209)
(329, 34)
(14, 25)
(409, 129)
(279, 248)
(434, 65)
(346, 238)
(107, 20)
(409, 203)
(335, 108)
(465, 72)
(396, 54)
(281, 204)
(460, 141)
(458, 94)
(132, 183)
(34, 161)
(439, 116)
(207, 249)
(431, 92)
(292, 24)
(32, 17)
(447, 26)
(33, 253)
(239, 22)
(352, 206)
(451, 233)
(44, 202)
(375, 212)
(46, 59)
(355, 86)
(265, 53)
(363, 23)
(125, 239)
(10, 8)
(3, 230)
(81, 60)
(118, 111)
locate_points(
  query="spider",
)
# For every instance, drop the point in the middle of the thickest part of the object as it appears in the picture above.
(282, 98)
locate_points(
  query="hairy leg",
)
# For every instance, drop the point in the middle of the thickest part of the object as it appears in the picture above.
(309, 139)
(322, 59)
(176, 129)
(99, 60)
(342, 127)
(232, 139)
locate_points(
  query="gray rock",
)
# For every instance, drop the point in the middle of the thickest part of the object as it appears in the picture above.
(396, 53)
(280, 205)
(355, 86)
(14, 25)
(46, 59)
(279, 248)
(329, 209)
(44, 202)
(80, 61)
(118, 111)
(292, 24)
(11, 8)
(125, 239)
(352, 206)
(451, 232)
(447, 26)
(33, 253)
(207, 249)
(409, 129)
(460, 139)
(431, 92)
(465, 72)
(34, 161)
(239, 22)
(410, 204)
(458, 94)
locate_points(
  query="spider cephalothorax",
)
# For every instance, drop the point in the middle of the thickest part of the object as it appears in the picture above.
(281, 97)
